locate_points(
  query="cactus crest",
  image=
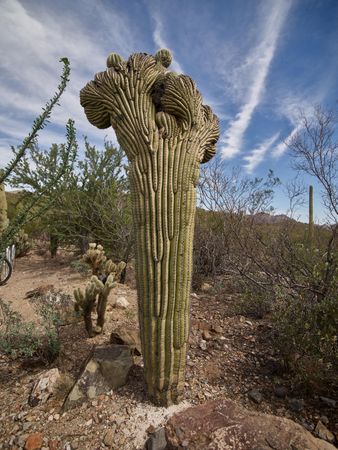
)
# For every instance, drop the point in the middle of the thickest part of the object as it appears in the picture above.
(166, 132)
(164, 57)
(114, 60)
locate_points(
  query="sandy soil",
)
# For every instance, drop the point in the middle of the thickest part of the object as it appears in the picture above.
(234, 360)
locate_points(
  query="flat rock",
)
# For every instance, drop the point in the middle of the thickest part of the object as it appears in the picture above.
(323, 433)
(224, 425)
(157, 441)
(127, 336)
(121, 302)
(44, 387)
(106, 368)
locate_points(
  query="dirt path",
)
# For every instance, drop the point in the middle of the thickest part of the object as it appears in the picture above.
(229, 356)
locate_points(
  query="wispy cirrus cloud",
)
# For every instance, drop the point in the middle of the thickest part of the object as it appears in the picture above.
(258, 154)
(161, 42)
(34, 36)
(257, 67)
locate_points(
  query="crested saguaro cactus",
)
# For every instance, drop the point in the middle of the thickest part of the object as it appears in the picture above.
(166, 132)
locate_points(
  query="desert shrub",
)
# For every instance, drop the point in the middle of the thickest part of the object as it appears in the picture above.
(17, 338)
(78, 265)
(25, 339)
(22, 244)
(255, 303)
(306, 335)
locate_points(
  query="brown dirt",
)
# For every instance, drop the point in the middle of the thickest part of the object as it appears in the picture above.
(234, 361)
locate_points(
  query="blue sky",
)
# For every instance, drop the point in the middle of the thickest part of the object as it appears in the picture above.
(255, 62)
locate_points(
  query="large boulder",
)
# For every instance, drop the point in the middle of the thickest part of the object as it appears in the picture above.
(107, 368)
(224, 425)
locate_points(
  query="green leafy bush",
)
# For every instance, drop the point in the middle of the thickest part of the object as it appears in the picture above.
(306, 334)
(25, 339)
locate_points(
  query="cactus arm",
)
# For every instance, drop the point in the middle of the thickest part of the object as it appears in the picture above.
(166, 132)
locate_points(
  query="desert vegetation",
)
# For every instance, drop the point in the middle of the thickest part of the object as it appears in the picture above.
(100, 224)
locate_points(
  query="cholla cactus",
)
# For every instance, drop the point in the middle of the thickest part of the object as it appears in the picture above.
(98, 289)
(3, 209)
(85, 302)
(166, 132)
(95, 257)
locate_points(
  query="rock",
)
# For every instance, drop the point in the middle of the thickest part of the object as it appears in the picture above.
(203, 345)
(106, 368)
(157, 441)
(217, 329)
(328, 402)
(44, 387)
(206, 335)
(53, 444)
(109, 438)
(127, 336)
(206, 287)
(324, 419)
(34, 441)
(323, 433)
(255, 396)
(121, 302)
(295, 404)
(223, 424)
(280, 391)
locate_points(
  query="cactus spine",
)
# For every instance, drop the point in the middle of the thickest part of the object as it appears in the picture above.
(310, 215)
(3, 209)
(166, 132)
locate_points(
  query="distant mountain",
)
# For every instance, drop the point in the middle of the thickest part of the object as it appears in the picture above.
(271, 219)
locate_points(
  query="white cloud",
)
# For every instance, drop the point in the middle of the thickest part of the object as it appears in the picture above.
(281, 148)
(33, 38)
(258, 62)
(257, 154)
(161, 43)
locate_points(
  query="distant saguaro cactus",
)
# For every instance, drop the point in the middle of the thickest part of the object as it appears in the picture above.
(310, 214)
(166, 132)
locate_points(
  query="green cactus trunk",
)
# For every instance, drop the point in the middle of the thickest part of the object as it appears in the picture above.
(3, 209)
(164, 225)
(166, 133)
(310, 215)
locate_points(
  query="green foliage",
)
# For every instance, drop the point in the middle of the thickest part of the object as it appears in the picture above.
(306, 334)
(22, 243)
(80, 266)
(25, 339)
(3, 209)
(39, 195)
(94, 204)
(256, 303)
